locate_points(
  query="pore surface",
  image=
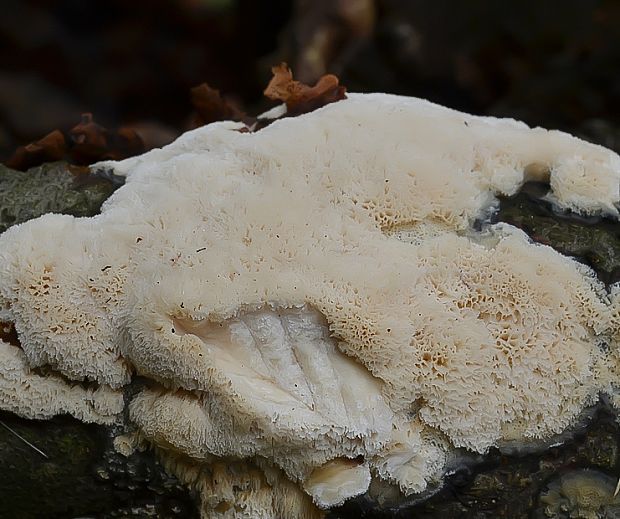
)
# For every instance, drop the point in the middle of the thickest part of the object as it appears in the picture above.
(314, 295)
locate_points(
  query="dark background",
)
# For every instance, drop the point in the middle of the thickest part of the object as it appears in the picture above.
(552, 63)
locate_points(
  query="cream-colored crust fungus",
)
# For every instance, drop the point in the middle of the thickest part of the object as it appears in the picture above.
(313, 304)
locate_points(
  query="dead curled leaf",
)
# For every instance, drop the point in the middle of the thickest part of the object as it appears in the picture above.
(300, 98)
(211, 106)
(128, 142)
(50, 148)
(89, 142)
(92, 142)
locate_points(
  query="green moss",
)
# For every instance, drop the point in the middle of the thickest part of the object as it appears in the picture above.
(595, 241)
(51, 188)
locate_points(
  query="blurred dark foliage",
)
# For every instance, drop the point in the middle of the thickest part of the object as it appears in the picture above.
(133, 64)
(128, 63)
(554, 63)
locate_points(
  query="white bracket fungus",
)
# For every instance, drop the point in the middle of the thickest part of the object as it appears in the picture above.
(36, 396)
(313, 298)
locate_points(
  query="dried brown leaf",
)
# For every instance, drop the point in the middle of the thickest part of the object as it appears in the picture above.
(48, 149)
(299, 97)
(127, 143)
(90, 141)
(210, 106)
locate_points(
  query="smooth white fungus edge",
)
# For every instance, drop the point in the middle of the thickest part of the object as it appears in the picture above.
(313, 298)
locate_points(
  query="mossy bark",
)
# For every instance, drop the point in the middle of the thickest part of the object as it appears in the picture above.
(56, 187)
(594, 241)
(80, 474)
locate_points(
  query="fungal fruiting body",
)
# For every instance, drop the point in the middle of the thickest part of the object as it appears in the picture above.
(314, 305)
